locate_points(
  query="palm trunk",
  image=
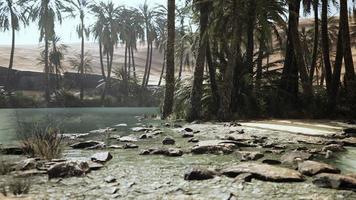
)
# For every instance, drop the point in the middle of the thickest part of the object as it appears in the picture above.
(228, 75)
(212, 76)
(133, 63)
(149, 66)
(259, 64)
(129, 70)
(102, 60)
(325, 45)
(169, 90)
(82, 62)
(250, 36)
(181, 49)
(316, 41)
(162, 70)
(349, 64)
(9, 71)
(337, 70)
(147, 56)
(194, 109)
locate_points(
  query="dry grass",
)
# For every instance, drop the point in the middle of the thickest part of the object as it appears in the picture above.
(44, 142)
(19, 186)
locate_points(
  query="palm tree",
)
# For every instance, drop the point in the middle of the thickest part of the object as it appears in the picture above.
(325, 45)
(46, 13)
(169, 91)
(81, 8)
(194, 109)
(12, 13)
(106, 30)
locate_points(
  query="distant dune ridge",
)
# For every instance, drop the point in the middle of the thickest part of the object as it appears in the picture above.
(26, 59)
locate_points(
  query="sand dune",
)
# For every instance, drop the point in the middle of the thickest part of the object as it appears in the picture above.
(27, 58)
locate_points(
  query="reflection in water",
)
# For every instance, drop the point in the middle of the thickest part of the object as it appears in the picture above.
(71, 120)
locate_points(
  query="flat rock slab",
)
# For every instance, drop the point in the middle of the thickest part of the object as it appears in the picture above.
(140, 129)
(128, 139)
(101, 157)
(335, 181)
(295, 156)
(311, 168)
(249, 155)
(264, 172)
(214, 147)
(86, 144)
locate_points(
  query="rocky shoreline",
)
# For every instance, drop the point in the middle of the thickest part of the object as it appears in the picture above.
(173, 161)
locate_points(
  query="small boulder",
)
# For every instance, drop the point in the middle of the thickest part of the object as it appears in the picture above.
(143, 136)
(101, 157)
(86, 144)
(173, 152)
(249, 155)
(335, 181)
(350, 132)
(93, 166)
(214, 147)
(121, 125)
(110, 179)
(27, 164)
(67, 169)
(168, 141)
(12, 150)
(193, 140)
(188, 130)
(139, 129)
(130, 146)
(199, 174)
(187, 135)
(311, 168)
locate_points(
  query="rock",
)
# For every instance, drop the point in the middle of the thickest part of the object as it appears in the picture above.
(168, 141)
(101, 157)
(199, 174)
(115, 147)
(294, 157)
(188, 130)
(143, 136)
(130, 146)
(110, 179)
(86, 144)
(139, 129)
(214, 147)
(12, 151)
(193, 140)
(271, 162)
(73, 136)
(145, 152)
(121, 125)
(264, 172)
(335, 181)
(249, 155)
(155, 133)
(67, 169)
(26, 164)
(93, 166)
(273, 151)
(128, 139)
(173, 152)
(99, 146)
(311, 168)
(334, 148)
(187, 135)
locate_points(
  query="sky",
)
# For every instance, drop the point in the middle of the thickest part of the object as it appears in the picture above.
(30, 34)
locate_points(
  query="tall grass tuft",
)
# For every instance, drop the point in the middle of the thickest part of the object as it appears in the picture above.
(44, 141)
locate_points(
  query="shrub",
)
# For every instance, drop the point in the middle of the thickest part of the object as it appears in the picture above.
(19, 186)
(5, 167)
(42, 141)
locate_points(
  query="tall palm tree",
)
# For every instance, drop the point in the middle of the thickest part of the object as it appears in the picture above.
(326, 45)
(169, 90)
(194, 109)
(47, 13)
(81, 9)
(12, 14)
(106, 30)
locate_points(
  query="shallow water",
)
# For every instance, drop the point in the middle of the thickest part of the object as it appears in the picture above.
(71, 120)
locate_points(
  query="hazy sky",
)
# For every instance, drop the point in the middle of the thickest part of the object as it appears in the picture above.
(30, 35)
